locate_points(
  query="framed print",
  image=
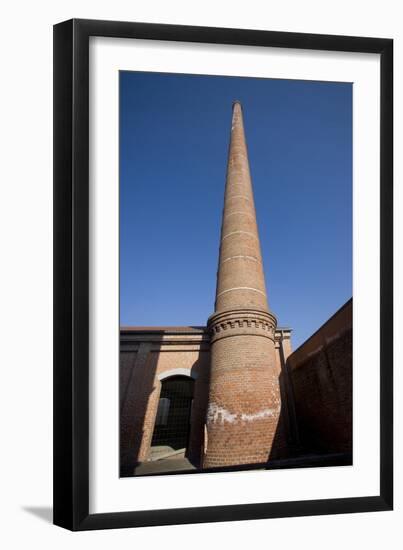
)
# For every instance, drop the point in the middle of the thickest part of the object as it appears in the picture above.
(223, 274)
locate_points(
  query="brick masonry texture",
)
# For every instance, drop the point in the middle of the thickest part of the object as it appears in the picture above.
(321, 373)
(149, 357)
(254, 400)
(315, 387)
(244, 404)
(146, 354)
(244, 401)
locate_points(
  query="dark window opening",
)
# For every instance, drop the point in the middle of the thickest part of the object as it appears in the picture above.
(172, 424)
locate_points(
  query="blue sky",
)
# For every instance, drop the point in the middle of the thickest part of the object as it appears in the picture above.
(174, 133)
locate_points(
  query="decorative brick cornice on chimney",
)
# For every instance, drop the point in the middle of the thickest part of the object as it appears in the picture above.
(241, 322)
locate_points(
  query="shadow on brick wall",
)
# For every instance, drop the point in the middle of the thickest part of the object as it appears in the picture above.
(135, 394)
(139, 396)
(316, 391)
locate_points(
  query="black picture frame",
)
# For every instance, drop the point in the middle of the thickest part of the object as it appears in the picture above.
(71, 274)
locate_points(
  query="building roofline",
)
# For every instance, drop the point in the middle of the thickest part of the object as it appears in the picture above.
(163, 330)
(337, 312)
(174, 330)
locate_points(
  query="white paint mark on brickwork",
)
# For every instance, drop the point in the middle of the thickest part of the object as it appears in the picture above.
(315, 351)
(332, 338)
(328, 340)
(265, 413)
(219, 414)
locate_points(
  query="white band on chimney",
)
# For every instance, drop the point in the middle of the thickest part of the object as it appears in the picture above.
(239, 212)
(234, 232)
(237, 197)
(247, 257)
(241, 288)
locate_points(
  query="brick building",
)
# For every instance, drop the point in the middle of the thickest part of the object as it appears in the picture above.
(232, 393)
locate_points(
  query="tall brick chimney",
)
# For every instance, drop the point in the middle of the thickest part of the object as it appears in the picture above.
(244, 396)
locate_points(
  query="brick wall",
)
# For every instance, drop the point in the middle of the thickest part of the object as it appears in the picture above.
(315, 391)
(147, 354)
(146, 357)
(321, 374)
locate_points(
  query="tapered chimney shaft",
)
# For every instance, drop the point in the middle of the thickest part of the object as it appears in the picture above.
(243, 417)
(240, 275)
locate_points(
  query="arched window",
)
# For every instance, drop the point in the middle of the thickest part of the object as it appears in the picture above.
(172, 423)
